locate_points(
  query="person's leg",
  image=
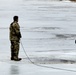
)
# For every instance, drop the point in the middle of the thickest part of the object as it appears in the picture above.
(15, 51)
(12, 50)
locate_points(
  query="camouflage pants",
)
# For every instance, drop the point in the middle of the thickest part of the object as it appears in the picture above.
(14, 49)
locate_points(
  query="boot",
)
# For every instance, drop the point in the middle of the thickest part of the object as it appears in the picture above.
(18, 59)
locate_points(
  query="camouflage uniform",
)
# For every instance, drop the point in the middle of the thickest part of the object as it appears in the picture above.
(15, 36)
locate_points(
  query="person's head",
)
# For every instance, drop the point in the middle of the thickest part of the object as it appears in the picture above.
(15, 18)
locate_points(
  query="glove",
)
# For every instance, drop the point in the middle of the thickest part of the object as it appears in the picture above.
(19, 35)
(75, 41)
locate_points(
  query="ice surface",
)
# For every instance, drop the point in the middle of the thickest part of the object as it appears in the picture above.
(48, 30)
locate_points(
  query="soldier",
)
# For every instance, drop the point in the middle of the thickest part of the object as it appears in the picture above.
(15, 36)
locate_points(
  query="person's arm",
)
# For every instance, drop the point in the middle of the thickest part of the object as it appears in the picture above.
(17, 30)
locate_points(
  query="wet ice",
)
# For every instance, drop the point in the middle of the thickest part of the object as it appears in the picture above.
(48, 36)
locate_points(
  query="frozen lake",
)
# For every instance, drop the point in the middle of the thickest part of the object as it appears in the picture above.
(48, 35)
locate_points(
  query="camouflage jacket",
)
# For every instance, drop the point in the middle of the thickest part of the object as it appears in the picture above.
(15, 33)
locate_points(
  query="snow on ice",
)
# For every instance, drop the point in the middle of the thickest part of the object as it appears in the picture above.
(48, 36)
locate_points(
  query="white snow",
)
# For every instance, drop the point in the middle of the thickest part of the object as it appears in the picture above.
(48, 30)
